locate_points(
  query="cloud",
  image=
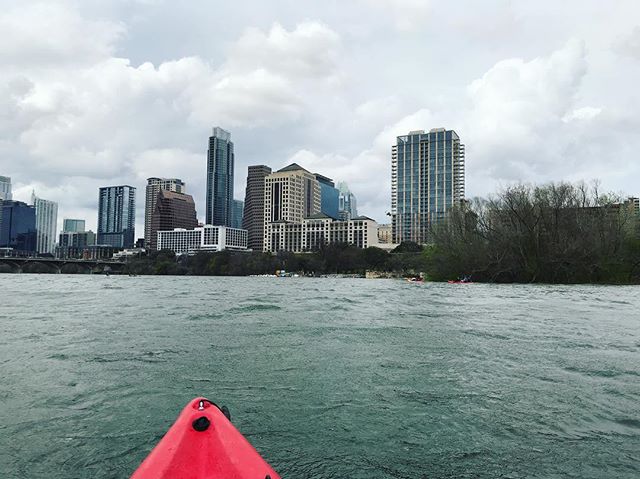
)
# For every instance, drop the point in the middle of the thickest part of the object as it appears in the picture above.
(310, 50)
(407, 15)
(629, 44)
(101, 120)
(47, 34)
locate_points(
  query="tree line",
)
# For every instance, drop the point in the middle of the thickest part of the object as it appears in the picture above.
(555, 233)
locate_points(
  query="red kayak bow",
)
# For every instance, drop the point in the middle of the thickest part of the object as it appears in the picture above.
(203, 444)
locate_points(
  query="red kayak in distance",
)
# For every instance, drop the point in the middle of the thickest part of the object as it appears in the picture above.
(203, 444)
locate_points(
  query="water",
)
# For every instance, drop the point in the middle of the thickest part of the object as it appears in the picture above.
(328, 378)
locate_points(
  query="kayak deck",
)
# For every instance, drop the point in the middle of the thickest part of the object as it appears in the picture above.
(203, 444)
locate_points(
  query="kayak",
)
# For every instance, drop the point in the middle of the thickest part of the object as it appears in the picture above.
(203, 444)
(460, 282)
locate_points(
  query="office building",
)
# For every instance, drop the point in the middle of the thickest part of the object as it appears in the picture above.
(318, 230)
(172, 210)
(5, 192)
(236, 214)
(220, 164)
(347, 205)
(329, 196)
(46, 224)
(154, 186)
(74, 244)
(117, 216)
(253, 216)
(206, 238)
(384, 234)
(70, 225)
(18, 227)
(427, 179)
(291, 194)
(5, 188)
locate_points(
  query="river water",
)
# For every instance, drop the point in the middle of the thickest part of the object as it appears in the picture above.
(327, 378)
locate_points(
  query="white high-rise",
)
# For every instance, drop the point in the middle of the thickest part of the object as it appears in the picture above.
(46, 224)
(5, 188)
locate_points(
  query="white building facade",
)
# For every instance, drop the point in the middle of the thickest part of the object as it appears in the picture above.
(318, 230)
(46, 224)
(206, 238)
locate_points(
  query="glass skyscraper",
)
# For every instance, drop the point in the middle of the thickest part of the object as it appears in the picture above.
(117, 216)
(427, 179)
(328, 196)
(70, 225)
(18, 227)
(347, 205)
(220, 161)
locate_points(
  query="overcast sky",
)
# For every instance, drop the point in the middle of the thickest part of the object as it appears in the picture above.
(96, 93)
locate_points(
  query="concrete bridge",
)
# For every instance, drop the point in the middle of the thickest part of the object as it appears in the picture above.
(54, 265)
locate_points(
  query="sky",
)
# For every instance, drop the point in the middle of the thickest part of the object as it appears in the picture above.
(98, 93)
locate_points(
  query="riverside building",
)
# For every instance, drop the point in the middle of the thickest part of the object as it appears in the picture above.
(220, 165)
(172, 210)
(427, 179)
(318, 230)
(253, 215)
(291, 194)
(46, 224)
(154, 186)
(205, 238)
(18, 227)
(75, 244)
(117, 216)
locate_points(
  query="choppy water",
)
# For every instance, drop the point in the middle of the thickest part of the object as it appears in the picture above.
(328, 378)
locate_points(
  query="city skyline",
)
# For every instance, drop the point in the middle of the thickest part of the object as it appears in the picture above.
(535, 98)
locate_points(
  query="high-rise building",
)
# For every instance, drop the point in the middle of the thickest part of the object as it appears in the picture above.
(117, 216)
(347, 206)
(253, 216)
(18, 227)
(173, 210)
(70, 225)
(5, 192)
(46, 224)
(154, 185)
(5, 188)
(329, 196)
(236, 214)
(427, 179)
(290, 195)
(220, 161)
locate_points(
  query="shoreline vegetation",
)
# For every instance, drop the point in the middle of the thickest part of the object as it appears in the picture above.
(554, 234)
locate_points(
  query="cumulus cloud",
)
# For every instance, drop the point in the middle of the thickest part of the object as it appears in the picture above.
(108, 121)
(82, 107)
(46, 34)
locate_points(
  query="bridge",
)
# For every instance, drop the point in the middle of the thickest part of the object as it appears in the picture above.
(55, 265)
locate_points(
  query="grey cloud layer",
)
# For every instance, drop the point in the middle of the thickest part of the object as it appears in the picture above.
(328, 93)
